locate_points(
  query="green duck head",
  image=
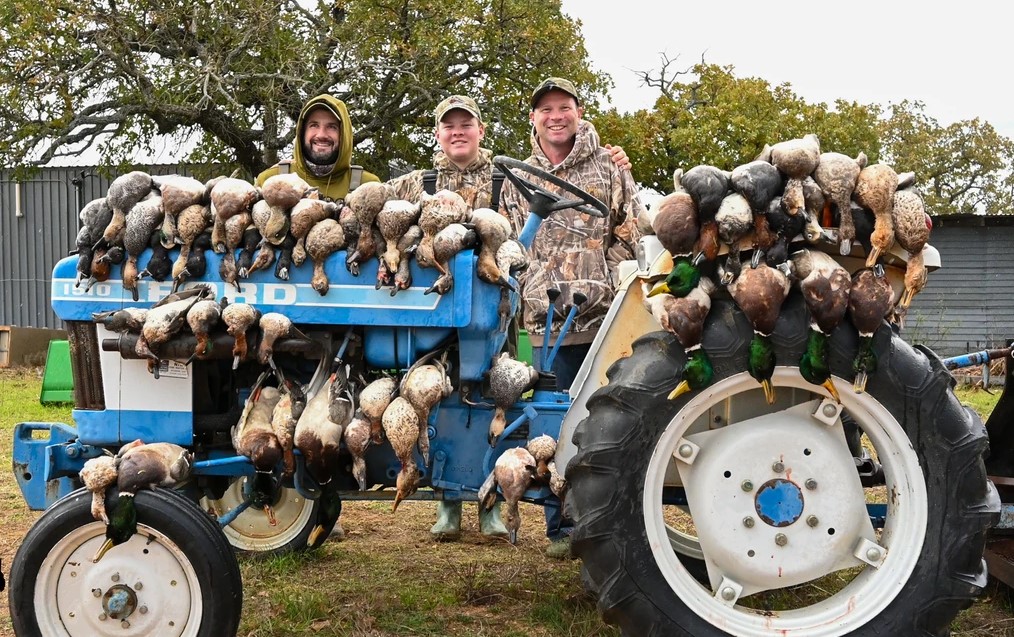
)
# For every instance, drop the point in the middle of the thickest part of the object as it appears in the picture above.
(864, 363)
(327, 514)
(697, 373)
(761, 364)
(813, 364)
(260, 492)
(680, 281)
(122, 525)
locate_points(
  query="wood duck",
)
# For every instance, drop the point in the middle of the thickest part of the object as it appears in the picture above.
(874, 191)
(825, 286)
(508, 379)
(760, 292)
(870, 302)
(401, 426)
(142, 466)
(837, 174)
(684, 317)
(513, 471)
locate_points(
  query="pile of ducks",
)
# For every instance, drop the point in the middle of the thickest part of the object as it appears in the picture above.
(783, 208)
(284, 222)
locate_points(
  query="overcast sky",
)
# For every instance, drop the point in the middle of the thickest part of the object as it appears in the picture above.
(956, 57)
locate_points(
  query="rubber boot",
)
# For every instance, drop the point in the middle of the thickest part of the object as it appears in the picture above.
(448, 526)
(490, 523)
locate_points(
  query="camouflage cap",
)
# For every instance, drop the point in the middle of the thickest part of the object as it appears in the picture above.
(463, 102)
(554, 83)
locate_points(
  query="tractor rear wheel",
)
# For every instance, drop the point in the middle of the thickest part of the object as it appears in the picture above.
(793, 543)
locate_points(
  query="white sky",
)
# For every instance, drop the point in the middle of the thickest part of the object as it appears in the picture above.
(954, 56)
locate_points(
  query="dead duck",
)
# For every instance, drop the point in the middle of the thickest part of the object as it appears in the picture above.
(408, 246)
(366, 202)
(160, 264)
(707, 186)
(874, 191)
(251, 239)
(758, 181)
(394, 219)
(191, 223)
(235, 228)
(285, 257)
(163, 322)
(129, 320)
(785, 227)
(684, 317)
(286, 414)
(142, 220)
(438, 211)
(319, 440)
(447, 243)
(230, 197)
(272, 222)
(357, 440)
(178, 193)
(871, 300)
(735, 221)
(401, 426)
(493, 229)
(513, 471)
(238, 318)
(323, 240)
(677, 229)
(759, 292)
(543, 450)
(102, 263)
(508, 379)
(254, 438)
(283, 191)
(196, 263)
(202, 317)
(424, 387)
(374, 400)
(511, 258)
(94, 217)
(836, 175)
(796, 159)
(305, 215)
(274, 326)
(825, 286)
(912, 228)
(122, 195)
(97, 475)
(814, 203)
(143, 466)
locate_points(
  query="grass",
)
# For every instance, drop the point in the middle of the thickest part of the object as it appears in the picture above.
(388, 578)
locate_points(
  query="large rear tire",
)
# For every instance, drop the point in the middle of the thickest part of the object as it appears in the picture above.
(176, 577)
(813, 564)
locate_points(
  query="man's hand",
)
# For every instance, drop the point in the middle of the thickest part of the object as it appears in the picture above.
(618, 156)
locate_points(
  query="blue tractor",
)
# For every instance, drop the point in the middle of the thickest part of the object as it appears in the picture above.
(688, 512)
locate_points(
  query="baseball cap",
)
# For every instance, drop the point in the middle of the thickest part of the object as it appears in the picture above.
(554, 83)
(466, 104)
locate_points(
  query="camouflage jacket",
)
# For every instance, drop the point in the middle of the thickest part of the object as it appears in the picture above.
(474, 183)
(576, 252)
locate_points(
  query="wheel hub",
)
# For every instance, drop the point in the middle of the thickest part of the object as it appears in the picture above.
(779, 502)
(119, 602)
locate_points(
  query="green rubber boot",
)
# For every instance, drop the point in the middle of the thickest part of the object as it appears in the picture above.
(448, 526)
(490, 523)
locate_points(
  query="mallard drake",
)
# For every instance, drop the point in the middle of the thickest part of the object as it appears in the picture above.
(357, 440)
(284, 190)
(306, 214)
(230, 197)
(374, 400)
(513, 471)
(143, 466)
(874, 191)
(160, 265)
(825, 286)
(142, 220)
(254, 437)
(508, 379)
(122, 195)
(366, 202)
(871, 300)
(274, 325)
(912, 228)
(424, 387)
(796, 159)
(178, 193)
(493, 229)
(238, 318)
(323, 240)
(677, 229)
(286, 414)
(401, 426)
(837, 174)
(684, 317)
(438, 211)
(543, 450)
(760, 292)
(447, 243)
(707, 186)
(202, 318)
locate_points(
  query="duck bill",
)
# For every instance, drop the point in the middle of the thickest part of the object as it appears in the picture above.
(769, 391)
(661, 288)
(108, 544)
(906, 298)
(871, 260)
(829, 386)
(859, 385)
(397, 499)
(315, 535)
(270, 512)
(681, 389)
(512, 536)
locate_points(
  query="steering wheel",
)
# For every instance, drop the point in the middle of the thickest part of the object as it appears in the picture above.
(542, 201)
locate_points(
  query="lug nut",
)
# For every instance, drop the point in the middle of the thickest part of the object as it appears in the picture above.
(873, 555)
(748, 522)
(812, 521)
(811, 484)
(143, 610)
(97, 592)
(686, 451)
(116, 577)
(138, 586)
(728, 593)
(124, 624)
(102, 617)
(747, 485)
(829, 410)
(778, 467)
(781, 539)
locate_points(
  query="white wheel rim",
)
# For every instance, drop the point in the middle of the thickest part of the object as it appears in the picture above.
(168, 600)
(870, 592)
(251, 531)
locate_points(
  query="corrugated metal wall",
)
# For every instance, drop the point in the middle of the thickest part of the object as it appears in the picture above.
(38, 224)
(967, 304)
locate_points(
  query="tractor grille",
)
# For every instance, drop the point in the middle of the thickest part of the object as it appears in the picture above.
(87, 369)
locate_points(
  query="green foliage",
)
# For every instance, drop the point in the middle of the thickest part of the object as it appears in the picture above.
(232, 75)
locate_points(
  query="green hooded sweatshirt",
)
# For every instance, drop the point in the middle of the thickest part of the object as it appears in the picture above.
(334, 185)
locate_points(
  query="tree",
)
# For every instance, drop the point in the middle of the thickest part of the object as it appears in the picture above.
(961, 168)
(234, 74)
